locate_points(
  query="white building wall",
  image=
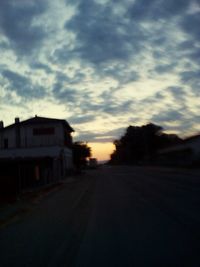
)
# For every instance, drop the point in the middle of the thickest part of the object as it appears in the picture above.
(28, 139)
(9, 134)
(34, 152)
(195, 145)
(68, 159)
(34, 146)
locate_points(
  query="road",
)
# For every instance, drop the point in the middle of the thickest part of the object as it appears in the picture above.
(114, 216)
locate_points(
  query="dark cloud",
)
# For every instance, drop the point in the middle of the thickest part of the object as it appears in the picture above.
(159, 96)
(157, 54)
(108, 43)
(112, 107)
(84, 102)
(165, 68)
(176, 94)
(40, 66)
(179, 95)
(157, 9)
(64, 91)
(167, 116)
(22, 85)
(120, 72)
(65, 94)
(9, 101)
(81, 119)
(194, 56)
(190, 76)
(76, 78)
(159, 40)
(4, 45)
(186, 45)
(176, 91)
(17, 24)
(184, 127)
(190, 24)
(107, 104)
(189, 50)
(102, 35)
(94, 136)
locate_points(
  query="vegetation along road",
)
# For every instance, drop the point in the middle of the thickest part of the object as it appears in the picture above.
(114, 216)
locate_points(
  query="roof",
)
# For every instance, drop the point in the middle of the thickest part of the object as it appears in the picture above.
(40, 120)
(191, 138)
(182, 146)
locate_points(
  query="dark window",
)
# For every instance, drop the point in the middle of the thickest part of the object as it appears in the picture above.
(6, 143)
(44, 131)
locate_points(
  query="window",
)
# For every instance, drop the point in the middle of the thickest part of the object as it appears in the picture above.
(5, 143)
(44, 131)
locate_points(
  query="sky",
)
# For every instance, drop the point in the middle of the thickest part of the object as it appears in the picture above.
(102, 65)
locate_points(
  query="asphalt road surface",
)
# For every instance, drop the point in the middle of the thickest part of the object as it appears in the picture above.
(114, 216)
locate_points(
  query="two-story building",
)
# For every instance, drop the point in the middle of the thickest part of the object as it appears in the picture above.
(35, 152)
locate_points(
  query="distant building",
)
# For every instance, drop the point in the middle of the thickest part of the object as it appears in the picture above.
(93, 163)
(35, 152)
(185, 154)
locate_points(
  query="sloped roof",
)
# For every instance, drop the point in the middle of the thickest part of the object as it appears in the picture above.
(41, 120)
(191, 138)
(184, 145)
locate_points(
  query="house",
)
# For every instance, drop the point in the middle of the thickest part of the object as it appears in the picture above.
(35, 152)
(185, 154)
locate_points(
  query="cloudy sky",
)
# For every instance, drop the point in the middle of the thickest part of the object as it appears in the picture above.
(102, 65)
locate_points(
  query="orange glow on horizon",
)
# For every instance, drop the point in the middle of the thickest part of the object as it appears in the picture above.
(101, 151)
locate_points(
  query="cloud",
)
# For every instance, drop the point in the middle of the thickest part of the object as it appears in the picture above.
(22, 85)
(65, 95)
(123, 73)
(186, 45)
(40, 66)
(4, 45)
(71, 91)
(157, 9)
(190, 24)
(65, 88)
(106, 136)
(178, 93)
(167, 116)
(17, 23)
(80, 119)
(117, 60)
(103, 36)
(191, 78)
(165, 68)
(77, 78)
(111, 107)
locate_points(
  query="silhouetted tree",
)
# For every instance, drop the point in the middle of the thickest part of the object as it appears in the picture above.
(141, 143)
(81, 151)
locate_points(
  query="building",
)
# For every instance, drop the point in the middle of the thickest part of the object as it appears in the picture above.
(93, 163)
(35, 152)
(185, 154)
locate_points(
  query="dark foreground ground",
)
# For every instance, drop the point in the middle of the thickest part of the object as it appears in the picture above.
(114, 216)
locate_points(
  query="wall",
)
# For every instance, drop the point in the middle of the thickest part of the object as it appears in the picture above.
(186, 154)
(28, 139)
(10, 135)
(195, 146)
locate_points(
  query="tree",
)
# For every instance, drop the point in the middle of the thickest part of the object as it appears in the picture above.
(141, 143)
(81, 151)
